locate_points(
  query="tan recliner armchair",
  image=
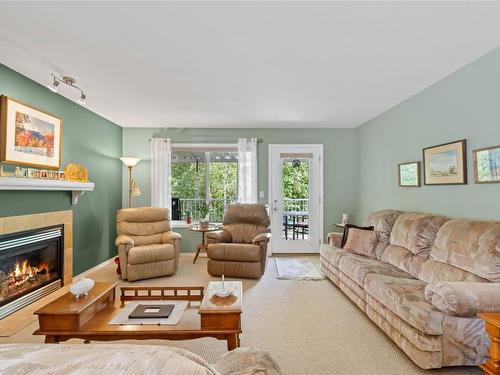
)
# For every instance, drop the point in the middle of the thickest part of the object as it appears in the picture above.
(240, 248)
(147, 247)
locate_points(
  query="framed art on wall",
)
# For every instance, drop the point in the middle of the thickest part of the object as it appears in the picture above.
(446, 164)
(486, 165)
(409, 174)
(29, 136)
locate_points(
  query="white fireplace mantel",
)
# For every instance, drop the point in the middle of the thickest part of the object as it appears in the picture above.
(77, 188)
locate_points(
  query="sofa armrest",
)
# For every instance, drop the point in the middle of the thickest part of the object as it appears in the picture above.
(262, 237)
(464, 298)
(219, 236)
(170, 237)
(335, 239)
(124, 240)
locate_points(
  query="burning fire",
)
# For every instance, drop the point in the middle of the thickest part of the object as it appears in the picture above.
(24, 271)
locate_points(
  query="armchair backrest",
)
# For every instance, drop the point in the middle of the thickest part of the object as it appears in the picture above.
(144, 225)
(246, 220)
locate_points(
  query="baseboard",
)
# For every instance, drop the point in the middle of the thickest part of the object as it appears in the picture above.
(186, 254)
(95, 268)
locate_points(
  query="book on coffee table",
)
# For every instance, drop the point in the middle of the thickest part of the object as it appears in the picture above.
(151, 311)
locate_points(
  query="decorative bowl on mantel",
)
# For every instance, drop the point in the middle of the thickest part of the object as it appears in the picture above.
(81, 287)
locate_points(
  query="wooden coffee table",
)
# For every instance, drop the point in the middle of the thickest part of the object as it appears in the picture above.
(88, 318)
(492, 365)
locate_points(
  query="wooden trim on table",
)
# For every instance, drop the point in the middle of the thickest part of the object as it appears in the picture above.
(492, 365)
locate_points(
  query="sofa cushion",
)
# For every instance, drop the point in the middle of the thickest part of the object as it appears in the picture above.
(405, 298)
(332, 254)
(150, 253)
(433, 271)
(357, 267)
(235, 252)
(473, 246)
(404, 259)
(361, 241)
(382, 221)
(416, 231)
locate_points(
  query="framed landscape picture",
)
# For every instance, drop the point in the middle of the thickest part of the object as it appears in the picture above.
(446, 164)
(409, 174)
(29, 136)
(486, 165)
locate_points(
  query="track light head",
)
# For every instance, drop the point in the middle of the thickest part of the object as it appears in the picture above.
(82, 99)
(53, 87)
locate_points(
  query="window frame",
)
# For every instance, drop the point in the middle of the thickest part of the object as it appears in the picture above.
(200, 147)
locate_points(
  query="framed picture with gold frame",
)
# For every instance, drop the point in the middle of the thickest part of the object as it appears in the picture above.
(29, 136)
(446, 164)
(486, 165)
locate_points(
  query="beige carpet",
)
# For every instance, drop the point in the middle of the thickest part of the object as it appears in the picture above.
(310, 328)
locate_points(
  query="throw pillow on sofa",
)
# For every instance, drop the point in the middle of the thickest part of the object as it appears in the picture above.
(362, 242)
(348, 227)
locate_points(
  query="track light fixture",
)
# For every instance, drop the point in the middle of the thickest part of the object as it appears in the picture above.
(69, 81)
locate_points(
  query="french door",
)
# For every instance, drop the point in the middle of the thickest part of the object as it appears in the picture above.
(296, 197)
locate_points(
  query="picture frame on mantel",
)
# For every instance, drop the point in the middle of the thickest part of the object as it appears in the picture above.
(29, 136)
(446, 164)
(409, 174)
(486, 165)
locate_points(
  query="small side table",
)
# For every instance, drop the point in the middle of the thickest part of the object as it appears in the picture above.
(204, 243)
(492, 365)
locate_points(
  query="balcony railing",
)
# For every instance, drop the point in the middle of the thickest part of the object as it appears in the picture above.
(218, 207)
(195, 207)
(295, 205)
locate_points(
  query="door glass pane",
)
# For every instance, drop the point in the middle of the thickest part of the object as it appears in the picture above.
(295, 194)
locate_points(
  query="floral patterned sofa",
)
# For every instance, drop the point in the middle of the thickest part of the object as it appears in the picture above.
(428, 278)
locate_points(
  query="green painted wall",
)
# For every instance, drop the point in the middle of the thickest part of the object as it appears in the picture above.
(90, 140)
(339, 163)
(463, 105)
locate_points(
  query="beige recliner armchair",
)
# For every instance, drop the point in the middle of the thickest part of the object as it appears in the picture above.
(240, 248)
(147, 247)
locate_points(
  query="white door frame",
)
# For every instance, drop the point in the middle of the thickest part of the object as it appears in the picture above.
(272, 179)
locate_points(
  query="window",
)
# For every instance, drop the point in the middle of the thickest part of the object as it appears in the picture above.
(204, 174)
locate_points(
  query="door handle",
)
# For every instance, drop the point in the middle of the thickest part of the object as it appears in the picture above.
(275, 205)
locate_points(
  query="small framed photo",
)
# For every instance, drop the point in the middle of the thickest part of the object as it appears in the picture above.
(409, 174)
(44, 174)
(446, 164)
(62, 175)
(486, 165)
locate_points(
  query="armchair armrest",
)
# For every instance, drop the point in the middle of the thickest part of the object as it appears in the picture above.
(219, 236)
(262, 237)
(464, 298)
(124, 240)
(170, 237)
(335, 239)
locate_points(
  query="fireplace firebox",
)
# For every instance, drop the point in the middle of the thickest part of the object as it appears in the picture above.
(31, 266)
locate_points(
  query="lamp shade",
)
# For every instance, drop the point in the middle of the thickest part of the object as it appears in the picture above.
(130, 162)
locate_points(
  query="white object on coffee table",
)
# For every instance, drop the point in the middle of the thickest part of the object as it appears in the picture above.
(82, 286)
(223, 292)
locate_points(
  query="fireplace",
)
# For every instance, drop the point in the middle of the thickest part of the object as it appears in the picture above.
(31, 266)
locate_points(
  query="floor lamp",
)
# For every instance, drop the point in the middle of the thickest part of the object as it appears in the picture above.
(133, 189)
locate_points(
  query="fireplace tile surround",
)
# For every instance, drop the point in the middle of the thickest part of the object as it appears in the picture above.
(21, 223)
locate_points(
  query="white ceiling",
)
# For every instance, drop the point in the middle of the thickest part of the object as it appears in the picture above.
(245, 64)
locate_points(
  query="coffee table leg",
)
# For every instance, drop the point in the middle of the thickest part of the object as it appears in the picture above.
(51, 340)
(233, 341)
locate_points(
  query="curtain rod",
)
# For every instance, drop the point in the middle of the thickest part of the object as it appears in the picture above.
(259, 140)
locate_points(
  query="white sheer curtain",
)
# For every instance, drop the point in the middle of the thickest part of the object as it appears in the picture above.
(247, 170)
(161, 156)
